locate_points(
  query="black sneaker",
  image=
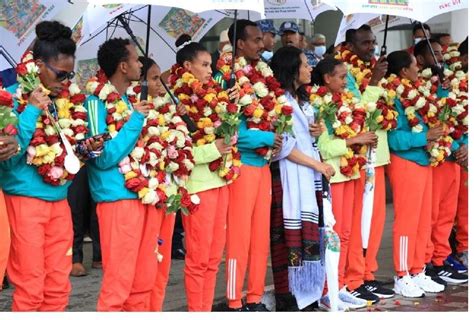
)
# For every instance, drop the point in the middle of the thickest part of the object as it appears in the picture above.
(430, 271)
(285, 302)
(376, 288)
(450, 275)
(364, 294)
(256, 307)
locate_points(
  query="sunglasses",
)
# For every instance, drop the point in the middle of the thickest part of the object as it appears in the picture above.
(60, 74)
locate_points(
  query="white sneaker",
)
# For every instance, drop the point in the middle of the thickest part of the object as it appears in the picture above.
(426, 284)
(352, 302)
(325, 304)
(405, 286)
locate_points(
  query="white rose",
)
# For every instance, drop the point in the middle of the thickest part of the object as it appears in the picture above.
(91, 86)
(411, 94)
(137, 153)
(432, 108)
(420, 103)
(74, 89)
(446, 56)
(327, 98)
(448, 73)
(153, 159)
(78, 122)
(336, 124)
(156, 145)
(106, 90)
(344, 108)
(243, 80)
(182, 128)
(465, 121)
(151, 197)
(135, 165)
(426, 73)
(409, 110)
(371, 107)
(57, 149)
(455, 53)
(460, 74)
(80, 108)
(153, 183)
(80, 136)
(68, 132)
(260, 89)
(32, 68)
(245, 100)
(65, 123)
(458, 109)
(153, 131)
(207, 111)
(172, 167)
(348, 120)
(189, 165)
(434, 152)
(49, 130)
(400, 89)
(195, 199)
(209, 130)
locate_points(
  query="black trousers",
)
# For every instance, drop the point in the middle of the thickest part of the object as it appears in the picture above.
(84, 217)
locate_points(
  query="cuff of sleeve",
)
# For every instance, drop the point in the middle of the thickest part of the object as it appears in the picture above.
(419, 140)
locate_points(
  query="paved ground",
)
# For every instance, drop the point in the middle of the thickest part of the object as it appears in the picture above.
(85, 289)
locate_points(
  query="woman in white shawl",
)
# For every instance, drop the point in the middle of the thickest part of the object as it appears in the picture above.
(295, 243)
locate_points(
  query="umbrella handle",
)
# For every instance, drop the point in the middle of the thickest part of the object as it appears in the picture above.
(383, 50)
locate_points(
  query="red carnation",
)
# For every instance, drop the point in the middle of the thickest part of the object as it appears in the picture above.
(78, 98)
(6, 99)
(112, 97)
(21, 69)
(322, 91)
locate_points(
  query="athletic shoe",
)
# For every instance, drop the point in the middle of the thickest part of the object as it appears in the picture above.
(376, 288)
(456, 264)
(426, 284)
(406, 287)
(325, 304)
(430, 271)
(450, 275)
(364, 294)
(256, 307)
(462, 257)
(352, 302)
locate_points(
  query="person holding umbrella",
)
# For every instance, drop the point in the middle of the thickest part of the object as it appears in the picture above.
(363, 77)
(248, 222)
(269, 34)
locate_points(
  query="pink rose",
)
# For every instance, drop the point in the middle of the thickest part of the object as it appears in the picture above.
(56, 173)
(217, 124)
(172, 153)
(194, 98)
(31, 153)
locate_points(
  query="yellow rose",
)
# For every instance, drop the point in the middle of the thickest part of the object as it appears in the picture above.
(363, 149)
(162, 166)
(223, 94)
(165, 135)
(210, 137)
(42, 150)
(389, 115)
(187, 77)
(223, 172)
(121, 106)
(142, 192)
(161, 120)
(209, 97)
(343, 162)
(201, 142)
(130, 175)
(379, 118)
(258, 113)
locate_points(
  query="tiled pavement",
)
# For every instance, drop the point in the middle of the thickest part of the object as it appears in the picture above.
(85, 289)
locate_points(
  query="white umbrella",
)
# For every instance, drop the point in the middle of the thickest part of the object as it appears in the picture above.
(420, 10)
(295, 9)
(368, 198)
(167, 25)
(332, 248)
(197, 5)
(353, 21)
(19, 19)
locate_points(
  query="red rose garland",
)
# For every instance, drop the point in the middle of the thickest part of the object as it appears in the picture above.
(347, 117)
(8, 119)
(362, 73)
(159, 165)
(45, 149)
(261, 97)
(208, 106)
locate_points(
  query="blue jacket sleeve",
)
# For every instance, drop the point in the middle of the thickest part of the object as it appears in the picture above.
(253, 139)
(26, 128)
(402, 138)
(122, 144)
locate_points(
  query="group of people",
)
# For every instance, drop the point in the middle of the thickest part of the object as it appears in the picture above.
(244, 153)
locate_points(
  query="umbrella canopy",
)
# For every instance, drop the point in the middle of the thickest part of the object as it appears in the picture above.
(19, 18)
(167, 25)
(196, 6)
(295, 9)
(421, 10)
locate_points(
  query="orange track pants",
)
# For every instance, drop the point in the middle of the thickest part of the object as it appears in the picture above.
(4, 237)
(462, 214)
(248, 234)
(128, 239)
(344, 203)
(446, 179)
(166, 228)
(205, 232)
(412, 189)
(360, 268)
(41, 253)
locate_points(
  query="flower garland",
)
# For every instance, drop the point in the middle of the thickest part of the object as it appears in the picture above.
(419, 100)
(261, 97)
(45, 150)
(159, 165)
(209, 107)
(362, 73)
(347, 117)
(8, 119)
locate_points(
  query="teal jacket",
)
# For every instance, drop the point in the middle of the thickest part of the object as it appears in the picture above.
(405, 143)
(106, 182)
(16, 176)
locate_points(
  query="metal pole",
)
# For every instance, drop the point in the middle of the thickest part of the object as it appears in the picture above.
(148, 26)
